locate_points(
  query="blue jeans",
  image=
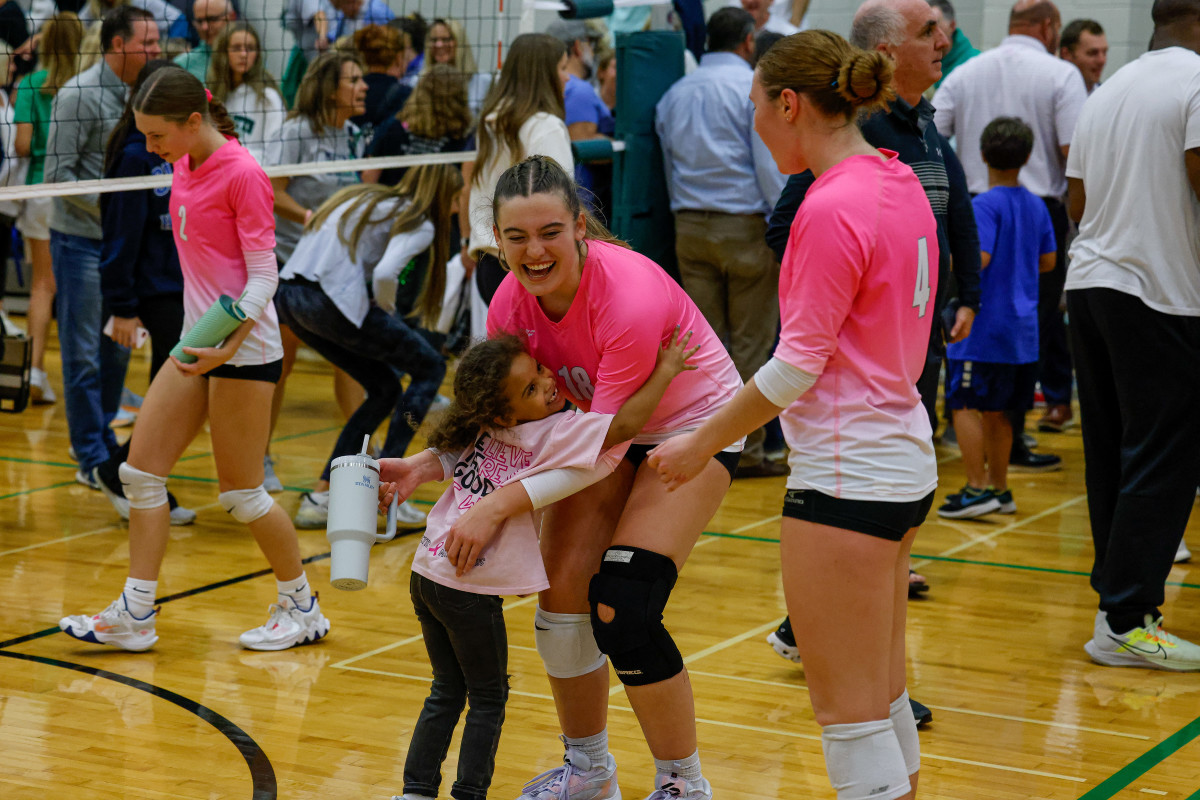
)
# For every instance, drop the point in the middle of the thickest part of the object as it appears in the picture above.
(468, 650)
(375, 355)
(93, 365)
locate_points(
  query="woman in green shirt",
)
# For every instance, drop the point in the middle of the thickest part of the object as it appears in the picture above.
(58, 59)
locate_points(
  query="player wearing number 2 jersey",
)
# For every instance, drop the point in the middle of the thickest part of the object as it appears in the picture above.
(857, 288)
(221, 205)
(594, 314)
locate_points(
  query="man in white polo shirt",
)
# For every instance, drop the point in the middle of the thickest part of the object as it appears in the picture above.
(1022, 78)
(1134, 299)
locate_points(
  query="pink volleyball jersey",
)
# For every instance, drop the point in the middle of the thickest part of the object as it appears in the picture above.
(856, 297)
(512, 563)
(218, 212)
(606, 346)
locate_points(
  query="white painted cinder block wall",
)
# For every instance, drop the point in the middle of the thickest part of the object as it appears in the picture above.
(985, 22)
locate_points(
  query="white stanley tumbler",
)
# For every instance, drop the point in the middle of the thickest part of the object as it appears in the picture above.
(353, 505)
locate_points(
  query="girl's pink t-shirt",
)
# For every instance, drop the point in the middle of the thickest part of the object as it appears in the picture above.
(512, 563)
(219, 212)
(856, 296)
(606, 346)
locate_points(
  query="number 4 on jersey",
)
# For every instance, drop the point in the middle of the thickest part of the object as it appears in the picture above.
(921, 293)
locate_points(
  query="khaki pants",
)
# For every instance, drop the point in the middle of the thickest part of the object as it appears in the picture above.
(733, 278)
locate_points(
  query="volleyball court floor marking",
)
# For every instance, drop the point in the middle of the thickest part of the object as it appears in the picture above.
(718, 723)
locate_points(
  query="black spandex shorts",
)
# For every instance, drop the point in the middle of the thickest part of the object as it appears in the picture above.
(873, 517)
(268, 373)
(637, 453)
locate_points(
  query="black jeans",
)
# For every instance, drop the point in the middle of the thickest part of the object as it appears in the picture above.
(1054, 356)
(374, 355)
(1138, 383)
(468, 650)
(162, 316)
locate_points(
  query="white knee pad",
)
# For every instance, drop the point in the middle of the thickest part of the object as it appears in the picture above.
(864, 762)
(246, 505)
(142, 490)
(566, 644)
(905, 726)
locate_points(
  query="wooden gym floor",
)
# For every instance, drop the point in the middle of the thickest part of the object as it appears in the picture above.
(996, 651)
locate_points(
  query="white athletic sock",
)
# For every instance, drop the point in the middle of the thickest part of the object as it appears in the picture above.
(686, 768)
(297, 590)
(595, 747)
(139, 597)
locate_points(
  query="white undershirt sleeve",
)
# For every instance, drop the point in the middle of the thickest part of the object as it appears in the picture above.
(547, 488)
(781, 383)
(262, 277)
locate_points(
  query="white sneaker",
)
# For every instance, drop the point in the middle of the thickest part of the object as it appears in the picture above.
(1148, 646)
(287, 626)
(313, 512)
(84, 476)
(118, 499)
(409, 516)
(576, 779)
(673, 787)
(1183, 555)
(41, 393)
(271, 481)
(114, 625)
(182, 516)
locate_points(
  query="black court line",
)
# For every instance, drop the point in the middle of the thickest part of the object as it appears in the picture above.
(262, 774)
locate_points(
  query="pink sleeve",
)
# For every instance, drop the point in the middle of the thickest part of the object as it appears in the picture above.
(253, 203)
(631, 333)
(818, 282)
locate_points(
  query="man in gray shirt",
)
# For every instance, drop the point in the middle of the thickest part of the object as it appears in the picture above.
(84, 113)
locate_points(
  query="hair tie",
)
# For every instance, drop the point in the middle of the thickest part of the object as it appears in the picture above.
(834, 84)
(208, 95)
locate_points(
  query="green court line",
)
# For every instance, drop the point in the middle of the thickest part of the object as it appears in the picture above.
(971, 561)
(38, 489)
(39, 463)
(1146, 762)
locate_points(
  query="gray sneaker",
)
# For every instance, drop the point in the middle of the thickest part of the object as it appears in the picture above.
(576, 779)
(313, 512)
(1147, 646)
(271, 481)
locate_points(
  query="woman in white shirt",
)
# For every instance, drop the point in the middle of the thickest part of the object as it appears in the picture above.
(338, 293)
(238, 78)
(523, 116)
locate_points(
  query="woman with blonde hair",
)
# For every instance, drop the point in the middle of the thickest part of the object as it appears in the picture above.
(324, 299)
(238, 78)
(447, 43)
(856, 293)
(317, 129)
(58, 61)
(523, 116)
(435, 119)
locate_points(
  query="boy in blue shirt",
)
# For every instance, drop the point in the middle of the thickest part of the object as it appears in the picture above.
(994, 369)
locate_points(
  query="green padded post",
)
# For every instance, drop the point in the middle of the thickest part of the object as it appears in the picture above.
(589, 150)
(221, 319)
(641, 207)
(586, 9)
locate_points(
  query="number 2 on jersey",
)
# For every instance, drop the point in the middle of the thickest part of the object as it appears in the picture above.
(183, 223)
(921, 293)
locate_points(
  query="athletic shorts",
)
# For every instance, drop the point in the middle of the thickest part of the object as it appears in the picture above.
(268, 373)
(986, 386)
(34, 221)
(637, 453)
(876, 518)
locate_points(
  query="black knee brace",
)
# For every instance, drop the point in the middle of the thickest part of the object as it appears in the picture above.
(635, 583)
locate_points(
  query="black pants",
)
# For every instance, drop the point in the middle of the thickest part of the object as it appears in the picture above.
(1138, 373)
(162, 316)
(1054, 356)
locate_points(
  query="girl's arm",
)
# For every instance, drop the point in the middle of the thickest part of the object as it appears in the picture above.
(636, 411)
(404, 475)
(23, 144)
